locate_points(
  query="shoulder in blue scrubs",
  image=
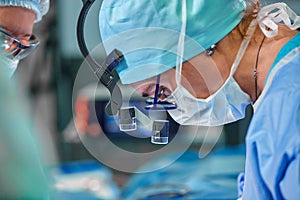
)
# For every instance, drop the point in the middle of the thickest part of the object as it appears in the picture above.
(273, 139)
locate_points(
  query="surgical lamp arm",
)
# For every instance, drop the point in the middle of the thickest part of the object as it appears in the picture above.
(106, 73)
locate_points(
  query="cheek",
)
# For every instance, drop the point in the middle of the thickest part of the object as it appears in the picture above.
(168, 79)
(145, 88)
(224, 69)
(202, 76)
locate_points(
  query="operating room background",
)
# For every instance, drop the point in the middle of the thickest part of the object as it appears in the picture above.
(48, 75)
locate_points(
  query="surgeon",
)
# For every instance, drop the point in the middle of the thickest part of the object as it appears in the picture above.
(215, 58)
(21, 172)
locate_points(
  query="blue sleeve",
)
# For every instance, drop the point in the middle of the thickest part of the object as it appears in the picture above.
(290, 184)
(273, 141)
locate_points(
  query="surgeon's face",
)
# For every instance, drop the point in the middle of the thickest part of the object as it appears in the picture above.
(17, 21)
(201, 76)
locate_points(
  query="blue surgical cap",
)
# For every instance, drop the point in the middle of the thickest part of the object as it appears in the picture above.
(40, 7)
(147, 31)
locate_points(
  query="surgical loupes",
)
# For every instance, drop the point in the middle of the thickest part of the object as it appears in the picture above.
(128, 117)
(108, 76)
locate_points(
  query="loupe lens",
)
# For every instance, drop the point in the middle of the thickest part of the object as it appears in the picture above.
(127, 119)
(160, 132)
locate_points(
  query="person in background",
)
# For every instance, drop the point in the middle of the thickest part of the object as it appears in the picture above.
(215, 58)
(21, 173)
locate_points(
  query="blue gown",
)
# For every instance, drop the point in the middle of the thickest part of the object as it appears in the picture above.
(273, 140)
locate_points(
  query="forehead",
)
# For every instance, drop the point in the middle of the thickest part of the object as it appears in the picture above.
(18, 21)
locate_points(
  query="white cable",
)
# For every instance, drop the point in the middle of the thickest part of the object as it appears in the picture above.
(180, 48)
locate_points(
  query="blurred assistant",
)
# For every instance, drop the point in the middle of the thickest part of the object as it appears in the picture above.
(213, 59)
(22, 174)
(16, 38)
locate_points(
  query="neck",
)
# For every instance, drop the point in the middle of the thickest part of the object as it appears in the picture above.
(255, 70)
(244, 73)
(262, 59)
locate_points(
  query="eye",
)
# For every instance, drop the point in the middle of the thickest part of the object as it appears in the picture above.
(164, 92)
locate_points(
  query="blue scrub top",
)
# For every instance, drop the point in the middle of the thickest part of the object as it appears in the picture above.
(273, 139)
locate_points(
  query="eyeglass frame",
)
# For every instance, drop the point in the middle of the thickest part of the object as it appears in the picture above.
(33, 43)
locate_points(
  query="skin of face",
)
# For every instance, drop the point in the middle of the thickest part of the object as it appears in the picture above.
(203, 75)
(17, 21)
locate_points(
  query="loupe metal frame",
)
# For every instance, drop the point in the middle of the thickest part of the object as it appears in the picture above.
(108, 76)
(106, 72)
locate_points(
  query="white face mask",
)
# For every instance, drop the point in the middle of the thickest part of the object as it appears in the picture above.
(8, 64)
(226, 105)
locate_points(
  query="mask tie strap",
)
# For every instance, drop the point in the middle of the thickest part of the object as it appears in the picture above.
(243, 46)
(270, 16)
(180, 48)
